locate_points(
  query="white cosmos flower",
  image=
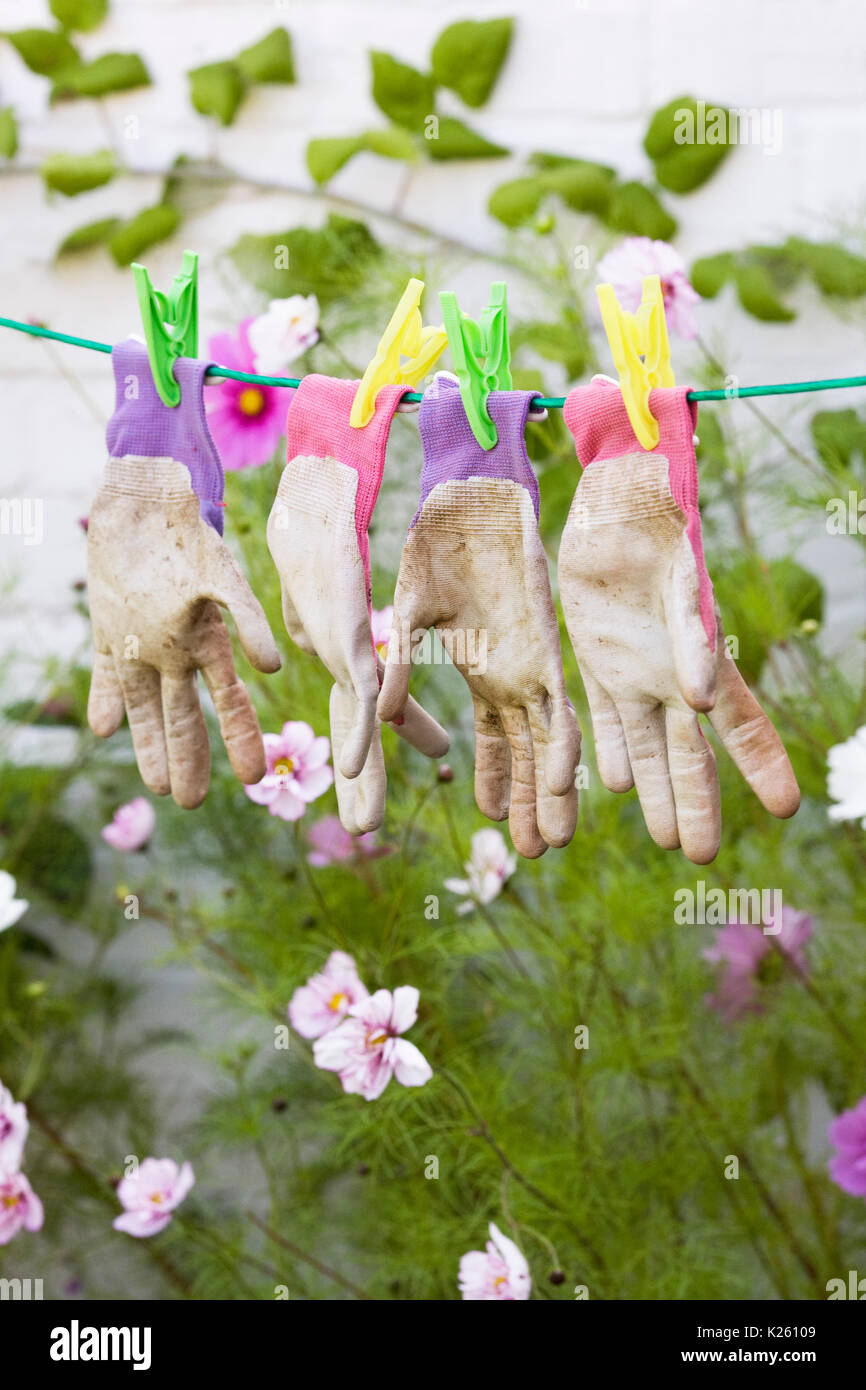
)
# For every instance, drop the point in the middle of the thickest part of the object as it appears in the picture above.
(11, 908)
(846, 778)
(283, 332)
(487, 869)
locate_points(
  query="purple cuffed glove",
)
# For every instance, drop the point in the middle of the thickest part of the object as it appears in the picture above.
(144, 427)
(453, 454)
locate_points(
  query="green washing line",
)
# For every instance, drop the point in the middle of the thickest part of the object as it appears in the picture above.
(781, 388)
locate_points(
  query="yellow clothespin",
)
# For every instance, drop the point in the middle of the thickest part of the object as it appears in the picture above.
(641, 353)
(404, 337)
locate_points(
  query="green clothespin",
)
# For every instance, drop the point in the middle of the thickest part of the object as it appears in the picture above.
(481, 355)
(170, 323)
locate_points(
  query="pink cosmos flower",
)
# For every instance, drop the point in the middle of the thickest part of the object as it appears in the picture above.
(498, 1273)
(297, 771)
(13, 1131)
(848, 1134)
(381, 628)
(246, 420)
(20, 1208)
(132, 825)
(748, 957)
(323, 1002)
(151, 1194)
(367, 1050)
(625, 266)
(334, 845)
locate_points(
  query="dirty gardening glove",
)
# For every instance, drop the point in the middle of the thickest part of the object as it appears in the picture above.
(647, 634)
(317, 534)
(157, 569)
(473, 567)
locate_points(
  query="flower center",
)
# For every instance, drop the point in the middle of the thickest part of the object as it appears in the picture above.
(251, 401)
(10, 1201)
(337, 1001)
(378, 1038)
(284, 767)
(500, 1279)
(156, 1198)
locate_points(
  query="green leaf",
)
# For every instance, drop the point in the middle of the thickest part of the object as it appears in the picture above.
(582, 185)
(113, 72)
(92, 234)
(515, 202)
(406, 96)
(457, 141)
(557, 342)
(70, 174)
(544, 159)
(193, 192)
(467, 57)
(149, 226)
(709, 273)
(838, 435)
(329, 261)
(681, 162)
(83, 15)
(757, 294)
(327, 156)
(45, 51)
(8, 133)
(393, 143)
(835, 271)
(217, 89)
(765, 602)
(635, 210)
(55, 861)
(269, 60)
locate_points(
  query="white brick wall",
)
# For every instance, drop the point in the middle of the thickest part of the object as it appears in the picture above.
(582, 77)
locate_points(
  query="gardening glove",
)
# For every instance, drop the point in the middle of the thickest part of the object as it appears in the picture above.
(317, 534)
(646, 631)
(157, 569)
(473, 567)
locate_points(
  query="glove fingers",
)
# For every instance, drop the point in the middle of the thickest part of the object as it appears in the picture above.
(410, 616)
(357, 707)
(238, 721)
(186, 740)
(556, 806)
(229, 588)
(143, 701)
(696, 785)
(753, 743)
(360, 798)
(644, 727)
(294, 626)
(492, 762)
(418, 727)
(522, 815)
(556, 735)
(694, 658)
(105, 703)
(611, 752)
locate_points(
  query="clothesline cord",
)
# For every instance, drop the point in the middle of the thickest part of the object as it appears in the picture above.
(782, 388)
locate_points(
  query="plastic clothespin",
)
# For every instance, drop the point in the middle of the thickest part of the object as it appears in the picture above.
(641, 353)
(481, 355)
(170, 323)
(405, 336)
